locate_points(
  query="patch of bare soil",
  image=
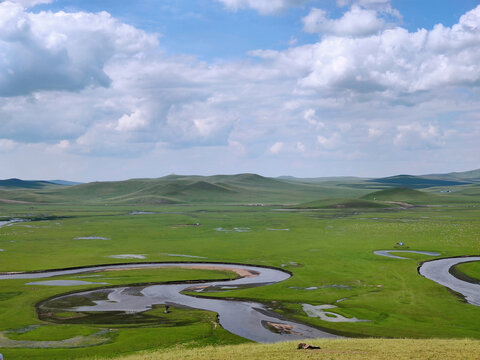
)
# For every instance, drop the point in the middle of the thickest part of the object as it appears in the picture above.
(7, 201)
(283, 328)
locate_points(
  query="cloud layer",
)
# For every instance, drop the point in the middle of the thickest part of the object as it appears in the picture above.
(88, 85)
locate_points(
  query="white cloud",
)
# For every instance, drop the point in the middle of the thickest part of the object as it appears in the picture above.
(264, 7)
(392, 63)
(29, 3)
(341, 98)
(329, 142)
(418, 136)
(301, 147)
(374, 132)
(383, 6)
(355, 22)
(61, 51)
(277, 148)
(131, 122)
(7, 145)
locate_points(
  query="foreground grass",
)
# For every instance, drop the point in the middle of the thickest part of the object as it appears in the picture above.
(373, 349)
(329, 252)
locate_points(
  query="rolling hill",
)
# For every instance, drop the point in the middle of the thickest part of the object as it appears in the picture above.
(416, 182)
(249, 189)
(25, 184)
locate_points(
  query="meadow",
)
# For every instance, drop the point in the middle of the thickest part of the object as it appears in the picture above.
(327, 246)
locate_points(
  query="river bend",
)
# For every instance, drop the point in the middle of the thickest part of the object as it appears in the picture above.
(439, 271)
(247, 319)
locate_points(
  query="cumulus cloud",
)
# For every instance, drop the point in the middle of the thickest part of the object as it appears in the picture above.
(383, 6)
(418, 136)
(392, 62)
(7, 145)
(131, 122)
(355, 22)
(264, 7)
(330, 142)
(95, 86)
(277, 147)
(61, 51)
(29, 3)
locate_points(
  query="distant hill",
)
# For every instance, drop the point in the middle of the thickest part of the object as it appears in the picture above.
(343, 204)
(472, 176)
(405, 195)
(417, 182)
(245, 189)
(181, 189)
(64, 182)
(25, 184)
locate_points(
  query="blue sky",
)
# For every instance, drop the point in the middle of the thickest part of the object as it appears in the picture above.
(106, 90)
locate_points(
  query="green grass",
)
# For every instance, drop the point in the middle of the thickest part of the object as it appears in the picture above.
(407, 195)
(344, 204)
(322, 248)
(472, 270)
(373, 349)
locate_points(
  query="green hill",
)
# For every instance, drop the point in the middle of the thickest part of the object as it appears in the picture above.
(25, 184)
(406, 195)
(176, 189)
(343, 204)
(472, 175)
(243, 189)
(416, 182)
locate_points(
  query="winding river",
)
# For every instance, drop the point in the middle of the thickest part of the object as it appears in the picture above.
(247, 319)
(251, 320)
(439, 271)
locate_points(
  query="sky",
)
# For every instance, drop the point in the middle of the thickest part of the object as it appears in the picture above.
(97, 90)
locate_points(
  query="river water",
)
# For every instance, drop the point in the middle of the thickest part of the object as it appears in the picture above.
(439, 271)
(250, 320)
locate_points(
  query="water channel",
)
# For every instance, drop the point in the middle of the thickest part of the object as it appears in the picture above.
(250, 320)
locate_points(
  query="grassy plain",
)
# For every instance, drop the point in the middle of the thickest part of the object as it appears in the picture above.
(352, 349)
(329, 250)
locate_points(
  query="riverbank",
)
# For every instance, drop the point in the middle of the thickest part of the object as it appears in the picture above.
(351, 349)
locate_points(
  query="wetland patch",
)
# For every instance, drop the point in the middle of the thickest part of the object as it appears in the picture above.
(387, 253)
(91, 238)
(65, 283)
(330, 316)
(127, 256)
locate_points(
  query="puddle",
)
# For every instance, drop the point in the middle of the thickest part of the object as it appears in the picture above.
(23, 330)
(183, 255)
(91, 238)
(333, 286)
(386, 253)
(11, 222)
(235, 229)
(319, 311)
(292, 264)
(141, 213)
(1, 249)
(127, 256)
(270, 229)
(65, 283)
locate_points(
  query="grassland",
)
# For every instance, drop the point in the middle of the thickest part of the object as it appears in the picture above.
(373, 349)
(328, 248)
